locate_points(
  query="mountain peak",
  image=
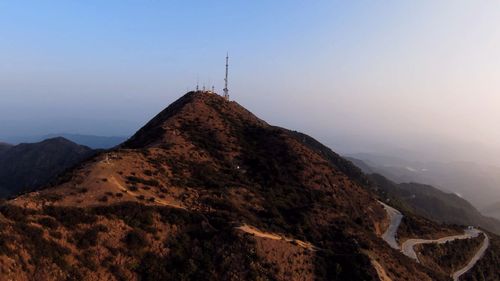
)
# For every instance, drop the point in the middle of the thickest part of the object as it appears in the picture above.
(203, 110)
(198, 178)
(58, 139)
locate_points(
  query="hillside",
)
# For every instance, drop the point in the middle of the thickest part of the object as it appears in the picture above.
(92, 141)
(27, 167)
(477, 183)
(434, 204)
(487, 267)
(446, 257)
(4, 147)
(430, 202)
(208, 191)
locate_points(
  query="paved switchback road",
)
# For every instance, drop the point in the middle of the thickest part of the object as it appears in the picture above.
(395, 218)
(407, 248)
(479, 254)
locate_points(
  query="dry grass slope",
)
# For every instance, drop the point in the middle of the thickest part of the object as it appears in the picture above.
(167, 205)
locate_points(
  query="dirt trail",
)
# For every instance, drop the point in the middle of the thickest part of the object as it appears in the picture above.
(382, 274)
(254, 231)
(162, 202)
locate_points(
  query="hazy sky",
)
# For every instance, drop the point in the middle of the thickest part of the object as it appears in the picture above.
(381, 70)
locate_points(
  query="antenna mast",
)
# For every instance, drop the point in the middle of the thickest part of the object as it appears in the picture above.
(226, 90)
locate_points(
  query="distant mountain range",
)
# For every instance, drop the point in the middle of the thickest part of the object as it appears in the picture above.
(27, 167)
(492, 210)
(92, 141)
(477, 183)
(428, 201)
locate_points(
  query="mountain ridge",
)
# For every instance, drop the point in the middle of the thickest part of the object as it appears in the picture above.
(475, 182)
(28, 166)
(92, 141)
(208, 190)
(430, 202)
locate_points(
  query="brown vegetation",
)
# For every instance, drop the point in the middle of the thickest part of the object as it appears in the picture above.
(166, 206)
(450, 256)
(487, 268)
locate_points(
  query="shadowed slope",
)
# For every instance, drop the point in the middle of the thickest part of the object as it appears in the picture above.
(178, 198)
(29, 166)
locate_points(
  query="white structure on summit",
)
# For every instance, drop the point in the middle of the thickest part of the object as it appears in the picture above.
(212, 91)
(226, 90)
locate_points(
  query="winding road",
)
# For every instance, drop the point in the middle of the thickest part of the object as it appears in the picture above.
(390, 233)
(408, 247)
(479, 254)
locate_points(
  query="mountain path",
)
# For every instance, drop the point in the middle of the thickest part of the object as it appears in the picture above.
(382, 274)
(256, 232)
(407, 248)
(159, 201)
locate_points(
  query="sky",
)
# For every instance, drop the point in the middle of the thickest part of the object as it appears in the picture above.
(382, 73)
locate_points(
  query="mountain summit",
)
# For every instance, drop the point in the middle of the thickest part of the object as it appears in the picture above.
(203, 110)
(207, 191)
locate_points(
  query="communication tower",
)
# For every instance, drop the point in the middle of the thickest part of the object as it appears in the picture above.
(226, 90)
